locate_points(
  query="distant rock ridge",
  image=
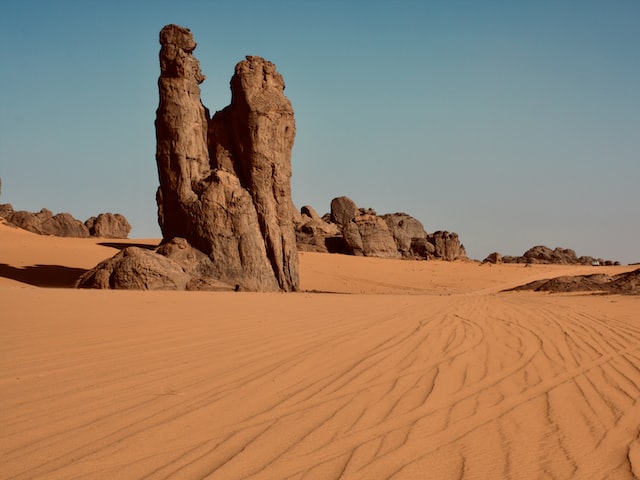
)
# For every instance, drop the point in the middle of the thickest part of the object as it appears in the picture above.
(358, 231)
(44, 222)
(224, 181)
(545, 255)
(622, 284)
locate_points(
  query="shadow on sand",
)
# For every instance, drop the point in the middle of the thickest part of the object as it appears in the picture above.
(52, 276)
(123, 245)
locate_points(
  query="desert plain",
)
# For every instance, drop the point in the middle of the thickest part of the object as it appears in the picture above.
(378, 369)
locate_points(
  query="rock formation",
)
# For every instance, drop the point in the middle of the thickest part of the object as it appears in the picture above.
(359, 231)
(545, 255)
(623, 284)
(175, 265)
(369, 236)
(108, 225)
(225, 183)
(314, 234)
(343, 210)
(44, 222)
(446, 245)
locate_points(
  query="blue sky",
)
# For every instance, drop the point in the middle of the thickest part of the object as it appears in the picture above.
(513, 123)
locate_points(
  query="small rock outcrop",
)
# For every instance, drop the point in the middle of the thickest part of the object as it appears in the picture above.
(225, 182)
(343, 210)
(175, 265)
(494, 258)
(447, 245)
(108, 225)
(545, 255)
(369, 236)
(314, 234)
(136, 268)
(361, 231)
(45, 222)
(623, 284)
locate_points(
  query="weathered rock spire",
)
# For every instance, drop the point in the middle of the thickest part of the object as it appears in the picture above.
(225, 183)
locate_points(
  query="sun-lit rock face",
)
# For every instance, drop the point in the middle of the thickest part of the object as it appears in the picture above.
(225, 182)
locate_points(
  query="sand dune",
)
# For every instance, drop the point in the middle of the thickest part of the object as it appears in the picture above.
(407, 370)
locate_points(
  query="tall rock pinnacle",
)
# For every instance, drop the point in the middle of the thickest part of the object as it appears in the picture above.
(225, 182)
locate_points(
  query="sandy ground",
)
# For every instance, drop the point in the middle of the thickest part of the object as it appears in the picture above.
(408, 370)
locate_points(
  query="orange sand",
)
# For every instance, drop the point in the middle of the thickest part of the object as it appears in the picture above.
(423, 371)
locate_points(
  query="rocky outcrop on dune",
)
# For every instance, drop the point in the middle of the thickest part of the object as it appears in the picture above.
(545, 255)
(368, 235)
(44, 222)
(224, 182)
(176, 265)
(361, 231)
(624, 284)
(108, 225)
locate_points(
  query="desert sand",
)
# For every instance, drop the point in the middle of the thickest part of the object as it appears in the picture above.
(379, 369)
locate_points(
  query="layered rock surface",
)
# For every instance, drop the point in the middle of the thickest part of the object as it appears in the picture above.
(225, 182)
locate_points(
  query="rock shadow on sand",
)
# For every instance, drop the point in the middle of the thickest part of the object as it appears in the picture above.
(51, 276)
(123, 245)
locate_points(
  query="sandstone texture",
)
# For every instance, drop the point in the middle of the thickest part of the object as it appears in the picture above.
(623, 284)
(45, 222)
(545, 255)
(108, 225)
(175, 265)
(225, 181)
(369, 236)
(361, 231)
(343, 210)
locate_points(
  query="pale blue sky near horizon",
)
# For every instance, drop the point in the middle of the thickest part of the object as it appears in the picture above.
(512, 123)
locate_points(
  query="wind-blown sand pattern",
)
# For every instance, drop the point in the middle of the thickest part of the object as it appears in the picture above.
(423, 370)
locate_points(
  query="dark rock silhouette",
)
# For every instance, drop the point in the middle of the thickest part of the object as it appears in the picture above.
(545, 255)
(225, 183)
(624, 284)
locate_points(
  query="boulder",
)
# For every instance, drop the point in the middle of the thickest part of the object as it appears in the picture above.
(313, 234)
(494, 257)
(136, 269)
(446, 245)
(193, 261)
(225, 182)
(369, 236)
(343, 210)
(176, 265)
(422, 248)
(405, 230)
(6, 209)
(108, 225)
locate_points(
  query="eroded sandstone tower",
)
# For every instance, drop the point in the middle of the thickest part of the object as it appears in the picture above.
(225, 181)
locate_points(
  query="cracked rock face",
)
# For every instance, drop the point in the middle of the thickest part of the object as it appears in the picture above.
(225, 181)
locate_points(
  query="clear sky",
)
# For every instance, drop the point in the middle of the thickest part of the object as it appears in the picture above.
(513, 123)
